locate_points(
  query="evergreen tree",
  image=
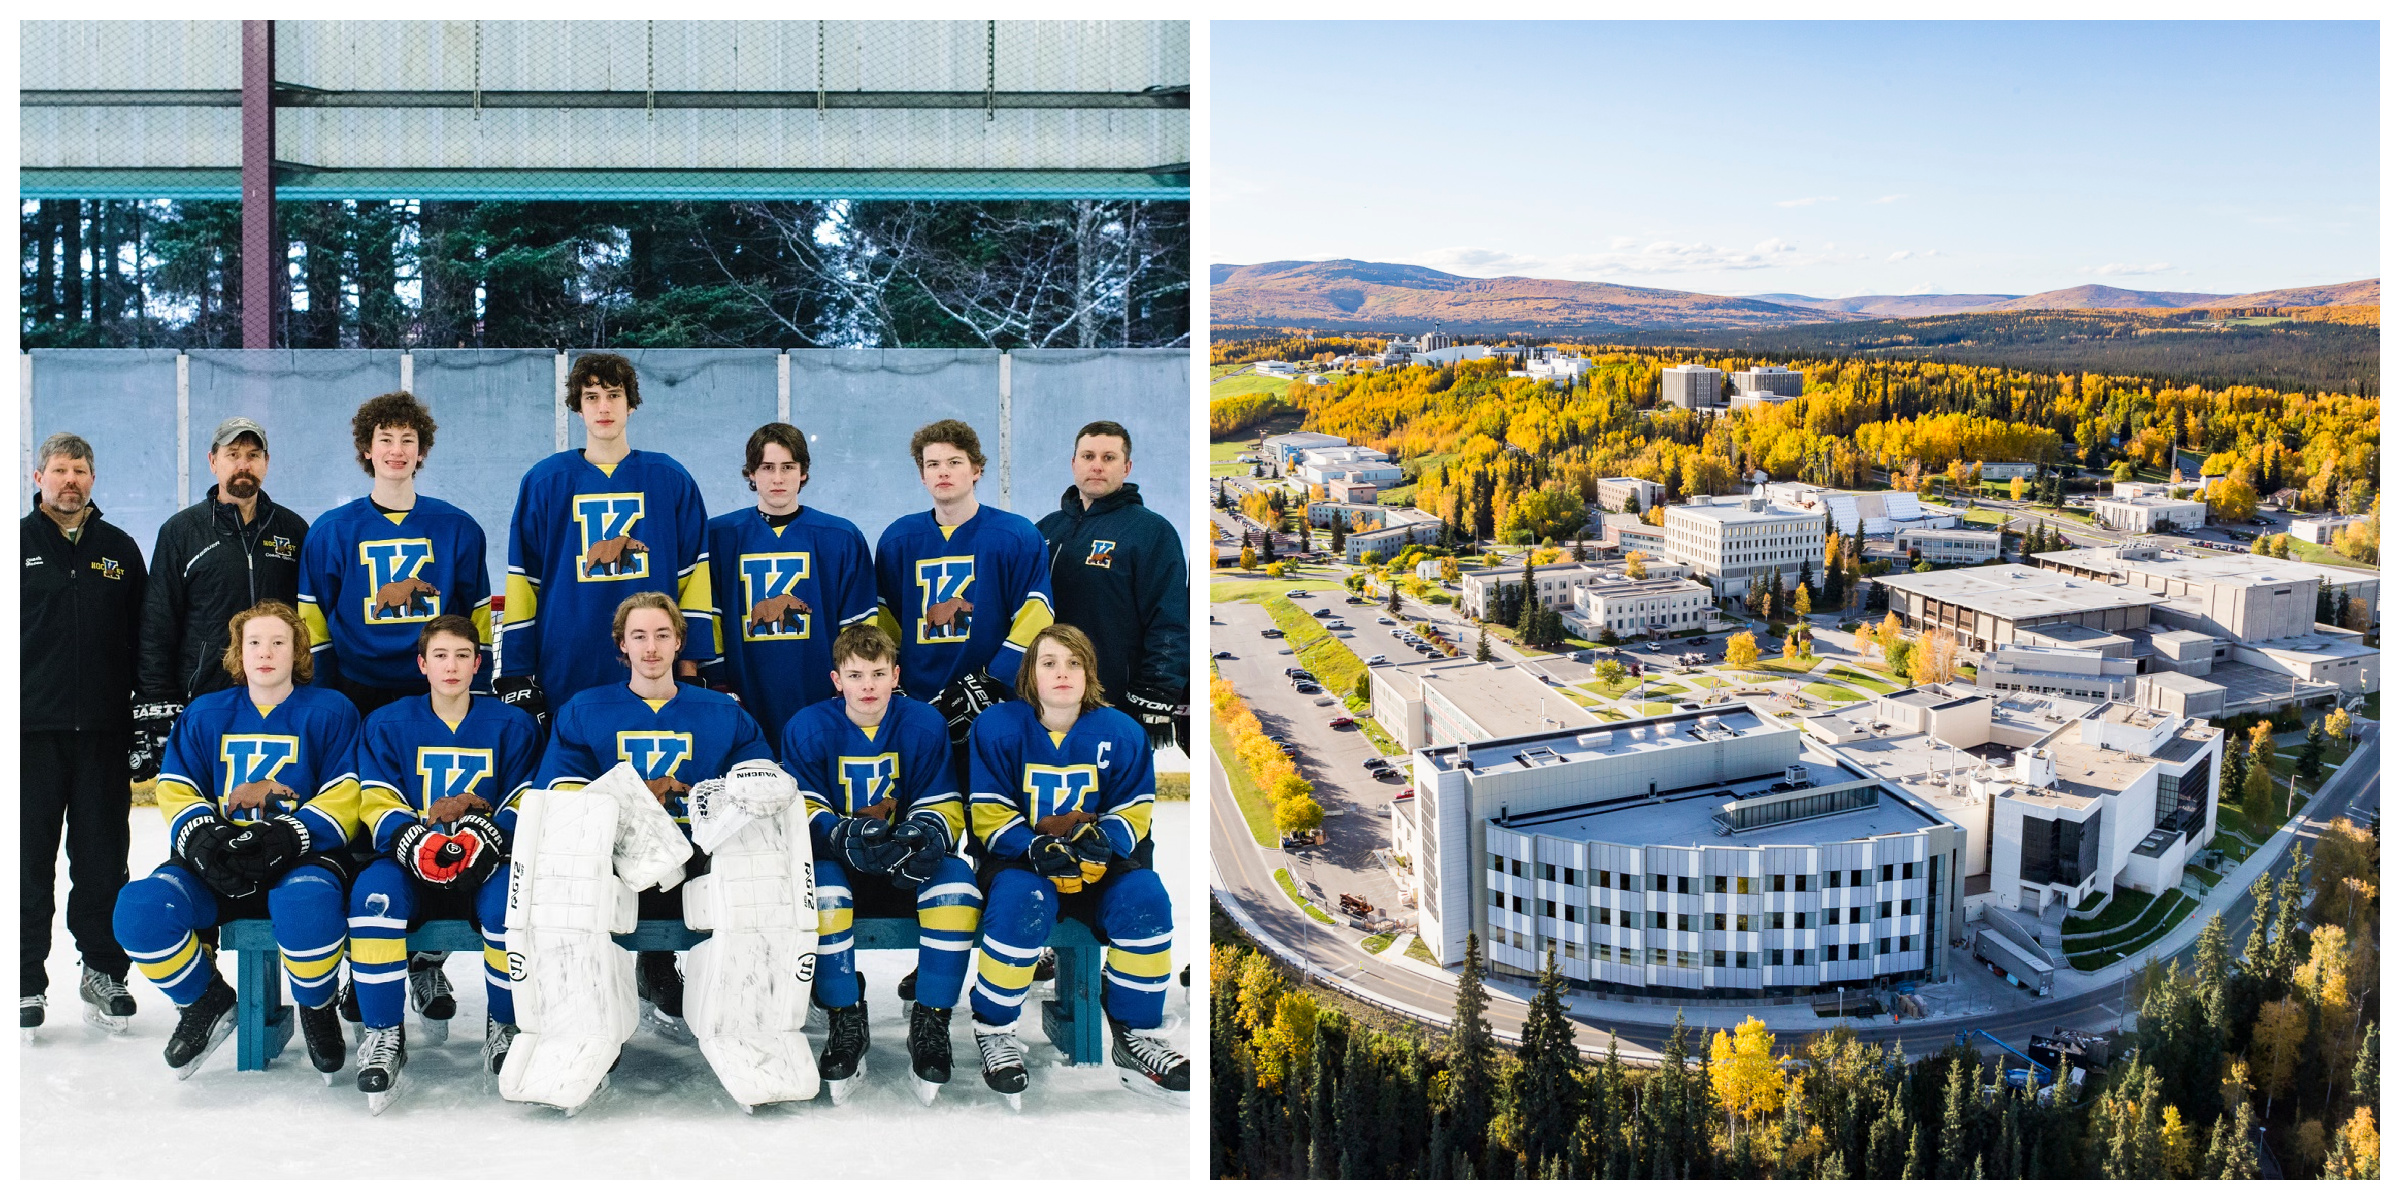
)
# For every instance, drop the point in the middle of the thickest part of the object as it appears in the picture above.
(1528, 604)
(1354, 1116)
(2366, 1073)
(1612, 1160)
(1324, 1153)
(1548, 1069)
(1955, 1151)
(2241, 1151)
(1467, 1109)
(1483, 645)
(2312, 753)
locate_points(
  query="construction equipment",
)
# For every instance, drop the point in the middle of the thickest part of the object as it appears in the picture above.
(2014, 1075)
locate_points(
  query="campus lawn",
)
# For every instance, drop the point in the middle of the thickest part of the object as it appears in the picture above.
(1283, 877)
(2311, 552)
(1838, 695)
(1238, 385)
(1879, 684)
(1256, 812)
(2122, 907)
(2133, 941)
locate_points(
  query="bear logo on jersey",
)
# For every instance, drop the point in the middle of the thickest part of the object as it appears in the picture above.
(1101, 552)
(395, 594)
(867, 781)
(255, 758)
(447, 771)
(942, 598)
(1057, 790)
(604, 529)
(769, 582)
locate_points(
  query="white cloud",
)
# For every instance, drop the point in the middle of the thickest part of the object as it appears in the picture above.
(1889, 199)
(1904, 255)
(1805, 201)
(1897, 256)
(2118, 268)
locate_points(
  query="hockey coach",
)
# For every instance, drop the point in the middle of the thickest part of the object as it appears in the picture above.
(1117, 574)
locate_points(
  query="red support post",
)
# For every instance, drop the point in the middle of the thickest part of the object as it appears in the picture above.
(262, 264)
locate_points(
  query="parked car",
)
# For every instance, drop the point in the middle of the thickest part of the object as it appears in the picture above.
(1344, 721)
(1373, 764)
(1296, 594)
(1698, 641)
(1379, 661)
(1385, 621)
(1654, 647)
(1406, 793)
(1307, 689)
(1388, 775)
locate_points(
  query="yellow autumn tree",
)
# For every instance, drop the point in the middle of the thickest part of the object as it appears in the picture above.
(1741, 650)
(1745, 1071)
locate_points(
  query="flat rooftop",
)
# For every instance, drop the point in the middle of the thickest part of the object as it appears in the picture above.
(2016, 592)
(1686, 817)
(1504, 754)
(2243, 569)
(1506, 700)
(1735, 509)
(2089, 772)
(2077, 637)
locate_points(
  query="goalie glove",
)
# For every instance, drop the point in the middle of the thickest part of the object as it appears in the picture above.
(200, 847)
(865, 845)
(927, 839)
(1166, 718)
(521, 692)
(966, 696)
(153, 724)
(460, 859)
(265, 849)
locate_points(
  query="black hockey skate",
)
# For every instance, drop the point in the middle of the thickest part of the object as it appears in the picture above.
(203, 1026)
(497, 1038)
(661, 986)
(929, 1050)
(1148, 1065)
(30, 1010)
(382, 1056)
(429, 994)
(843, 1063)
(1045, 966)
(1003, 1063)
(908, 986)
(106, 1003)
(321, 1029)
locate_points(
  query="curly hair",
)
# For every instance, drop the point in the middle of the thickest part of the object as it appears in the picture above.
(866, 642)
(950, 431)
(1079, 647)
(606, 370)
(391, 410)
(304, 666)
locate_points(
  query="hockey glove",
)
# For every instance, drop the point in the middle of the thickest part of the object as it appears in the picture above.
(1166, 718)
(523, 693)
(966, 696)
(1093, 853)
(865, 845)
(200, 849)
(458, 860)
(266, 849)
(1054, 860)
(927, 839)
(153, 724)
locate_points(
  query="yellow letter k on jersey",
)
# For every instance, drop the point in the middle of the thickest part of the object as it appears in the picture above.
(252, 757)
(1055, 790)
(654, 753)
(867, 782)
(446, 771)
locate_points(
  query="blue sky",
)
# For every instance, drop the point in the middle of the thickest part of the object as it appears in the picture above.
(1829, 159)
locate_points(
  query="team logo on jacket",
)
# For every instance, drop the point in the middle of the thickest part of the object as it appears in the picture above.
(252, 757)
(1101, 552)
(1055, 790)
(279, 547)
(774, 612)
(604, 530)
(109, 568)
(446, 771)
(395, 593)
(867, 780)
(654, 753)
(943, 613)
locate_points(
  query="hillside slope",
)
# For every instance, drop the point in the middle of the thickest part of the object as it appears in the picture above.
(1349, 294)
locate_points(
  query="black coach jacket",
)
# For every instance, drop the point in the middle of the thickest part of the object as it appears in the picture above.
(81, 624)
(1117, 574)
(209, 566)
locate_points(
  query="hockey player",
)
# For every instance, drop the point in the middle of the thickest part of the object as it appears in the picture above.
(1061, 807)
(375, 570)
(963, 586)
(675, 735)
(591, 528)
(788, 579)
(885, 815)
(259, 798)
(1116, 573)
(438, 779)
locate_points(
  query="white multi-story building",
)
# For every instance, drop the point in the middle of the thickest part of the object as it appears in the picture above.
(1881, 513)
(1628, 532)
(1691, 386)
(1461, 700)
(2143, 514)
(1713, 853)
(1778, 381)
(1401, 528)
(1613, 603)
(1282, 450)
(1554, 586)
(1959, 546)
(1611, 494)
(1729, 539)
(2320, 530)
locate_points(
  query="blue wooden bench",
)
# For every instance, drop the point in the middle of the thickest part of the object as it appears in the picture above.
(263, 1022)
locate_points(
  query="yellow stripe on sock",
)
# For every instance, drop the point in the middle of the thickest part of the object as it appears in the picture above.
(951, 918)
(832, 920)
(166, 968)
(376, 951)
(1001, 975)
(1150, 965)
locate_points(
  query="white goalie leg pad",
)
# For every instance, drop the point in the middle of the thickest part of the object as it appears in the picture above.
(649, 850)
(572, 983)
(746, 989)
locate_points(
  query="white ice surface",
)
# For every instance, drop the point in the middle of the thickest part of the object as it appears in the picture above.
(96, 1105)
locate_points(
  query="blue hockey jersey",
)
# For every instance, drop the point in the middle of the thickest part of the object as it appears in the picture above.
(781, 596)
(369, 580)
(408, 757)
(583, 538)
(222, 741)
(697, 735)
(995, 563)
(843, 769)
(1022, 772)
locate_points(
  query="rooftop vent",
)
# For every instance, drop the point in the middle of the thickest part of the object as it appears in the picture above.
(1602, 738)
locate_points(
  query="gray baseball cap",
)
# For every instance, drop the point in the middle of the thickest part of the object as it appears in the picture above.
(234, 427)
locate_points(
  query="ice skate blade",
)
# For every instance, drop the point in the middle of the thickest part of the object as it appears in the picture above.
(839, 1091)
(97, 1019)
(216, 1038)
(26, 1036)
(1014, 1100)
(1141, 1085)
(356, 1029)
(436, 1032)
(598, 1091)
(331, 1078)
(927, 1091)
(379, 1101)
(671, 1028)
